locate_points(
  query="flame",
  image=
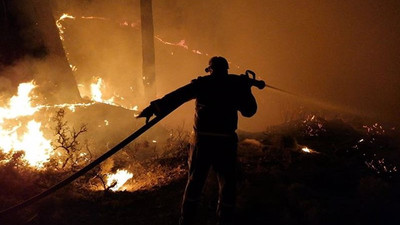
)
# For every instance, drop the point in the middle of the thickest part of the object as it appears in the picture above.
(135, 25)
(309, 150)
(182, 44)
(60, 27)
(36, 147)
(93, 18)
(97, 95)
(305, 149)
(20, 104)
(71, 107)
(19, 131)
(95, 90)
(120, 178)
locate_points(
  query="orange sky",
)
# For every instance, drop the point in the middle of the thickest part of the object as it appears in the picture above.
(344, 53)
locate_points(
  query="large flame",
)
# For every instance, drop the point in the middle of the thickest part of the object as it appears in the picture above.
(119, 179)
(20, 104)
(21, 132)
(36, 147)
(26, 137)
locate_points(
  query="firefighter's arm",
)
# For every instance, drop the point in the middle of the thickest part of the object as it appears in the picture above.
(169, 102)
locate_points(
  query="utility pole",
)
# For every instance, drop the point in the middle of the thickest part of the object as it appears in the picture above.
(148, 54)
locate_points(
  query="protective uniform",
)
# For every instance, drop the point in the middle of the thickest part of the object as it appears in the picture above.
(218, 98)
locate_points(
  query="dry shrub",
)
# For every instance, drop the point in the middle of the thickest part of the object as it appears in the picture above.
(163, 167)
(152, 164)
(18, 181)
(69, 153)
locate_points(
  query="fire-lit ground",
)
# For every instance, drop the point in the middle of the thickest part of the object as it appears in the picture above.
(63, 138)
(307, 171)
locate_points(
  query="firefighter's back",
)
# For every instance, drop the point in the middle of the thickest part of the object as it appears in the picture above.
(217, 102)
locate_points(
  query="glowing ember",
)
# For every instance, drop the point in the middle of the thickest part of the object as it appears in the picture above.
(93, 18)
(119, 178)
(305, 149)
(182, 44)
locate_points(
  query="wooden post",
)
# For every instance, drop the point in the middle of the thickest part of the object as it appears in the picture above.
(148, 54)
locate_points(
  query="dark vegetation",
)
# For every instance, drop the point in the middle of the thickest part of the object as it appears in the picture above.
(350, 176)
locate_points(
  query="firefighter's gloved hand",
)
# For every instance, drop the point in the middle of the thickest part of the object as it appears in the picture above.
(148, 112)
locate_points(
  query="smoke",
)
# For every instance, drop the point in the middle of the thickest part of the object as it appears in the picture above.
(31, 50)
(341, 53)
(344, 54)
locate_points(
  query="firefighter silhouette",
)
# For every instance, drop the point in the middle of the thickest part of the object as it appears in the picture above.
(219, 96)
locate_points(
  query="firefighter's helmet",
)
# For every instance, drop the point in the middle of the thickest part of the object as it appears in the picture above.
(217, 63)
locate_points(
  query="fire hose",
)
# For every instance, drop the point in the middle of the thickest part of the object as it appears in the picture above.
(252, 81)
(261, 84)
(85, 169)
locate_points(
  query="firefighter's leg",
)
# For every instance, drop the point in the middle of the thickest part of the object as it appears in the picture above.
(226, 172)
(198, 169)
